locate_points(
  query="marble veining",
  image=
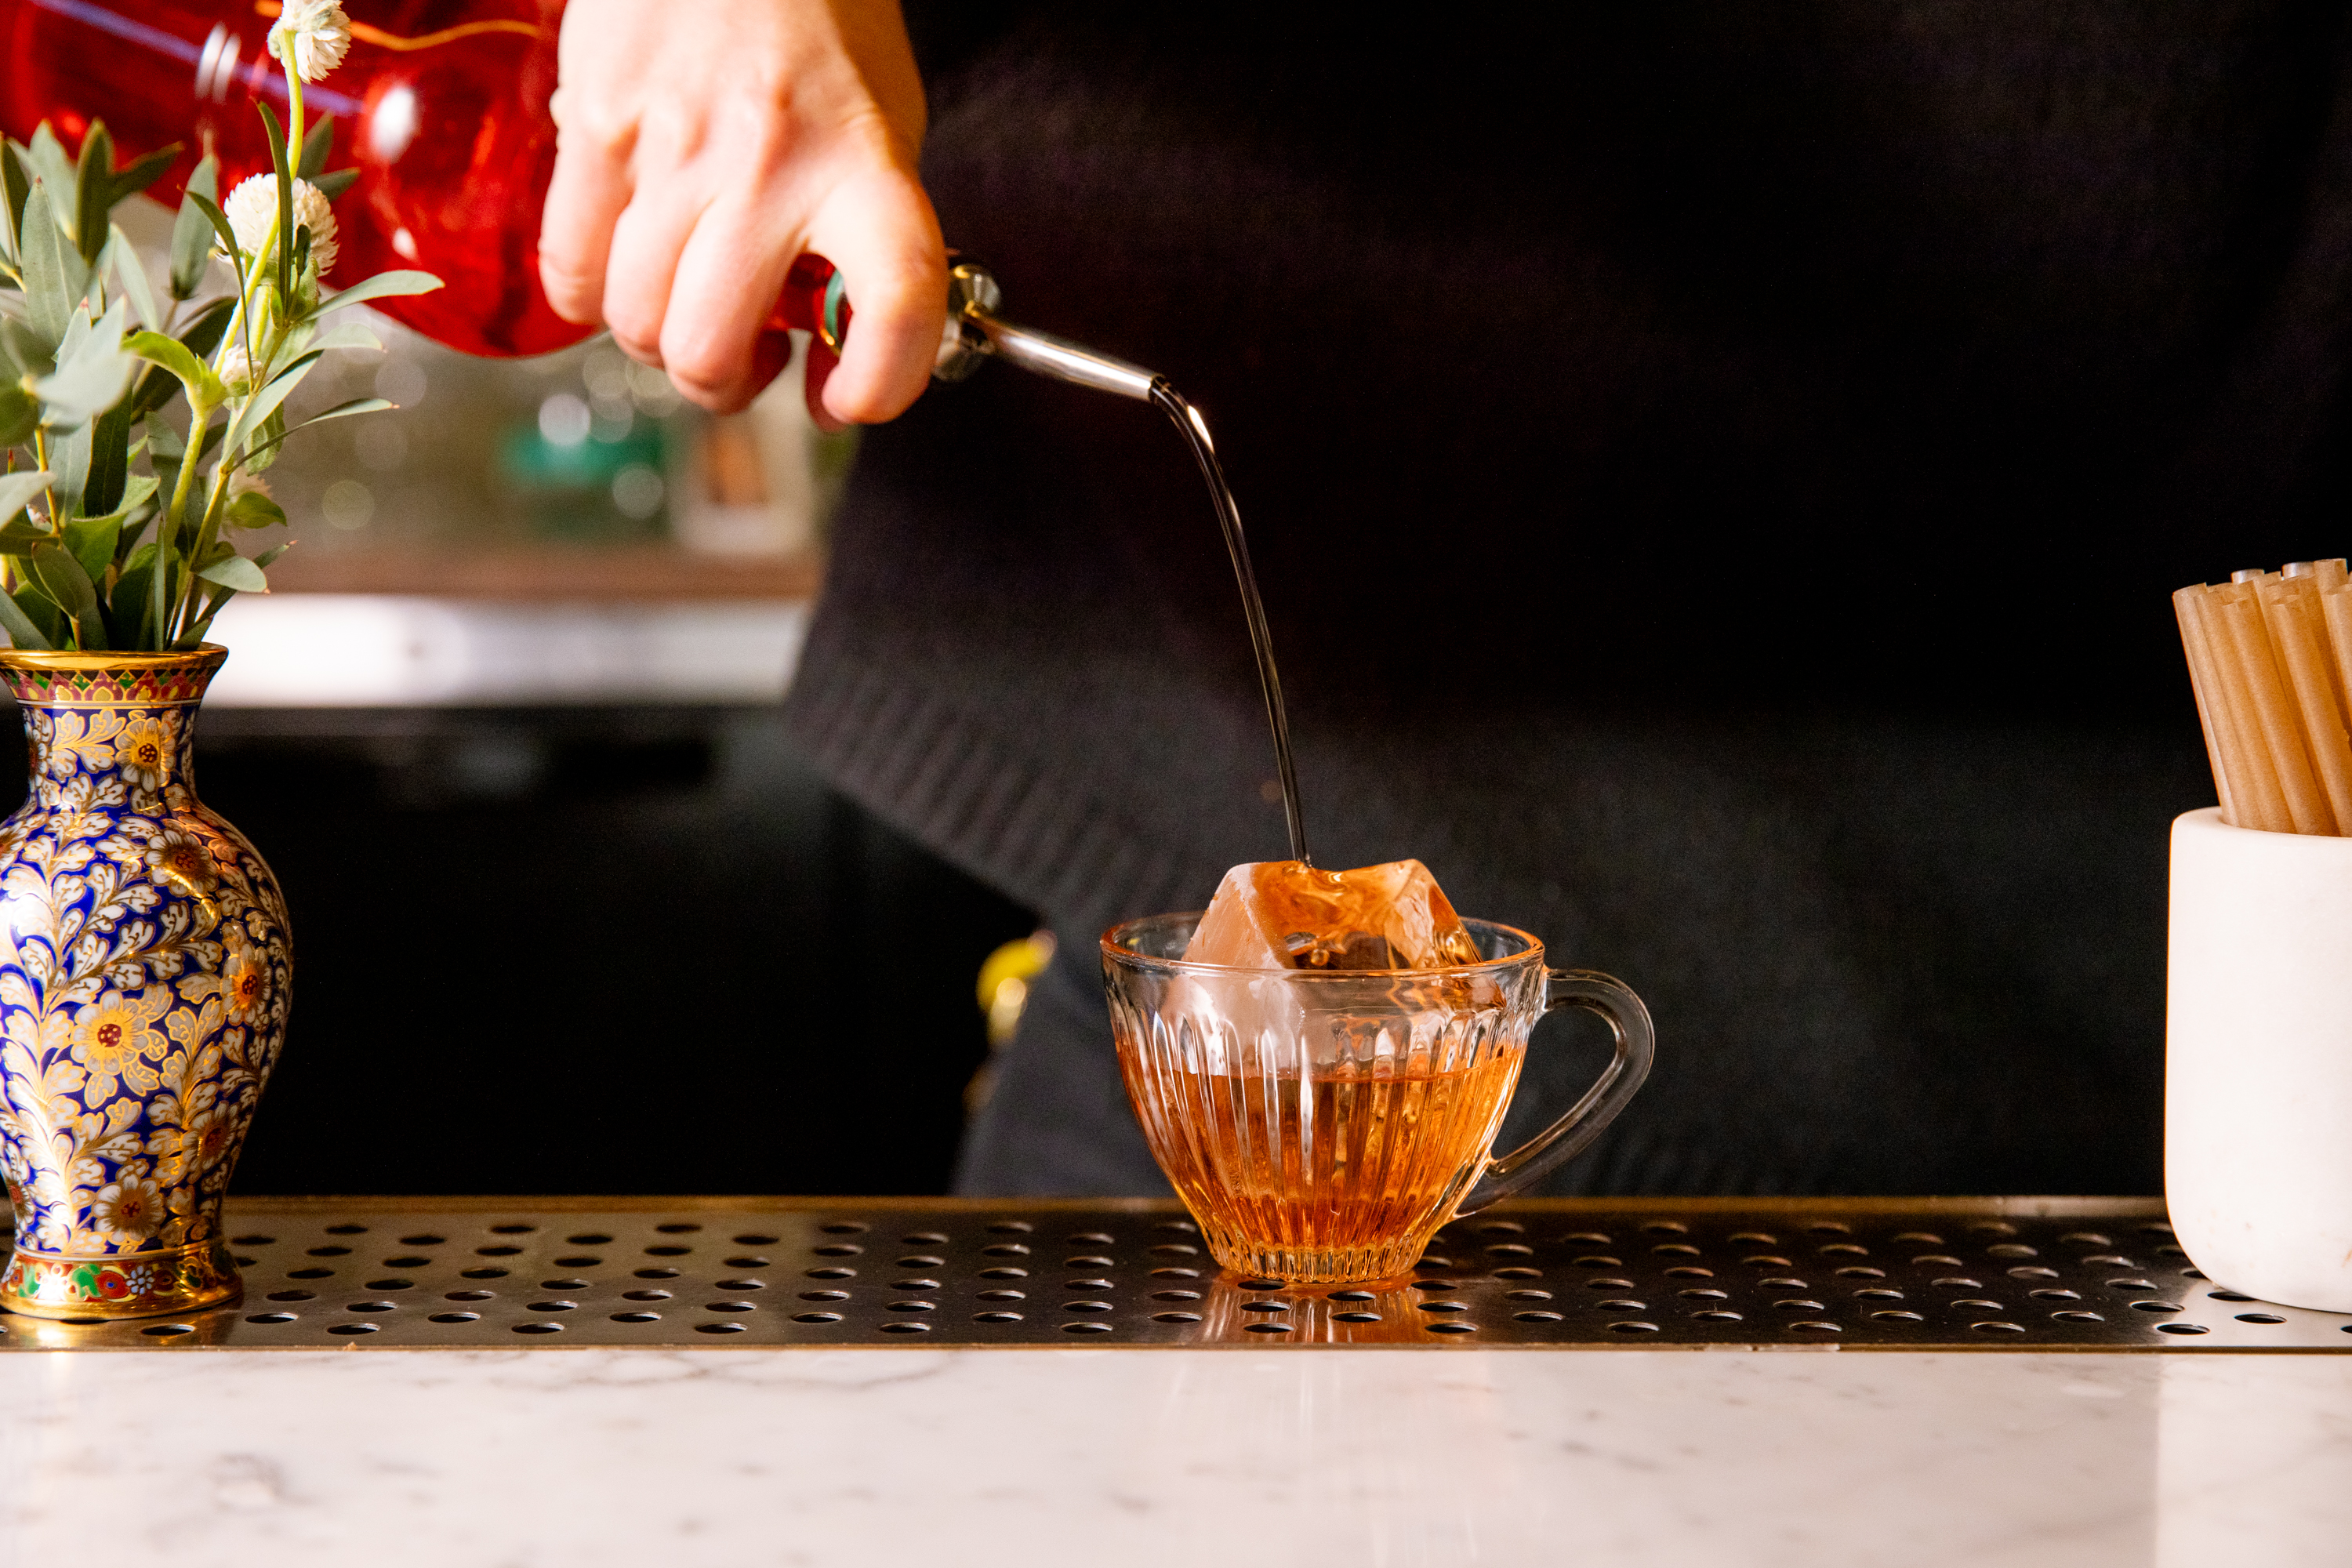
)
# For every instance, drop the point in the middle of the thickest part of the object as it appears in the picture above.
(513, 1459)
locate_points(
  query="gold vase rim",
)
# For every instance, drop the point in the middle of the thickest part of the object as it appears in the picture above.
(101, 659)
(144, 1255)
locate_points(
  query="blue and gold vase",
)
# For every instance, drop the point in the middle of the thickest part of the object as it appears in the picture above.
(144, 969)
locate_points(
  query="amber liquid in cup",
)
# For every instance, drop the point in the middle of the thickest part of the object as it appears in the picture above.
(1322, 1124)
(1336, 1166)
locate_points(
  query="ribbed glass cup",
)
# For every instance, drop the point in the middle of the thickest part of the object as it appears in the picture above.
(1320, 1125)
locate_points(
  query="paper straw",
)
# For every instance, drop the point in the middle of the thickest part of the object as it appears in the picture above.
(2265, 688)
(2335, 605)
(2212, 717)
(2299, 635)
(2254, 793)
(2254, 783)
(2330, 575)
(2262, 798)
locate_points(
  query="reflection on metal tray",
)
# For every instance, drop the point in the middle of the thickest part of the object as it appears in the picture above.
(2076, 1274)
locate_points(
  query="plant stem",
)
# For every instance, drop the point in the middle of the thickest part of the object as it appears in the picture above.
(184, 612)
(240, 320)
(293, 115)
(158, 589)
(48, 496)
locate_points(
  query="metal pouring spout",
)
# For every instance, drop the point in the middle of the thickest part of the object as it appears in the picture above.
(976, 332)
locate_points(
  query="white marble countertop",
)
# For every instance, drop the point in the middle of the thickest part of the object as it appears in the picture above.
(1393, 1458)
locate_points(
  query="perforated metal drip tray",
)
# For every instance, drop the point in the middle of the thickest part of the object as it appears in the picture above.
(2075, 1274)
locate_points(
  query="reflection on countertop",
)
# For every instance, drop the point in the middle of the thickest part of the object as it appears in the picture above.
(1392, 1457)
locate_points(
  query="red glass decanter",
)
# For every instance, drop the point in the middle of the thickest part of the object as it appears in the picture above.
(441, 105)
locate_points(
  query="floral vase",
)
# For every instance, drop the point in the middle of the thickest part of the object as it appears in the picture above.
(144, 968)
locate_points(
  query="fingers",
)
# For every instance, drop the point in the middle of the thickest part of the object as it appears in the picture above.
(590, 188)
(878, 228)
(885, 241)
(813, 375)
(724, 286)
(648, 240)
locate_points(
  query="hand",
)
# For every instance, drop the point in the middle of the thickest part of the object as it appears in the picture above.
(701, 148)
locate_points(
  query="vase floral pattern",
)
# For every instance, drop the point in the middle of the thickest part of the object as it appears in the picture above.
(144, 975)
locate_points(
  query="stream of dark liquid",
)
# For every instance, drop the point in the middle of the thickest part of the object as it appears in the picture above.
(1170, 402)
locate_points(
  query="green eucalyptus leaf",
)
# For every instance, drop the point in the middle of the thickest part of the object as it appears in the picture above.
(335, 182)
(141, 173)
(70, 469)
(92, 540)
(201, 338)
(236, 571)
(18, 490)
(56, 277)
(262, 451)
(134, 524)
(268, 557)
(173, 356)
(138, 490)
(318, 146)
(264, 403)
(46, 156)
(109, 460)
(384, 285)
(340, 411)
(78, 326)
(26, 349)
(164, 444)
(127, 608)
(278, 162)
(93, 370)
(51, 623)
(21, 536)
(21, 632)
(20, 416)
(192, 232)
(129, 602)
(133, 274)
(345, 335)
(93, 190)
(63, 580)
(222, 229)
(18, 184)
(253, 509)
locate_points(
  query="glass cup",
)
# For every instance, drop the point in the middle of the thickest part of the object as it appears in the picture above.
(1322, 1124)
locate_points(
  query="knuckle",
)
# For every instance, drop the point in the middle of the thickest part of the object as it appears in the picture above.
(583, 130)
(701, 372)
(639, 346)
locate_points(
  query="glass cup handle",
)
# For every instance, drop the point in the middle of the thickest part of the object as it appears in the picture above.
(1615, 1003)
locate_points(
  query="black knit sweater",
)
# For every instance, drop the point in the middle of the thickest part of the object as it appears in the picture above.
(1716, 472)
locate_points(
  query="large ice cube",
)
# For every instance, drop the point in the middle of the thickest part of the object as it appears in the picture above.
(1285, 914)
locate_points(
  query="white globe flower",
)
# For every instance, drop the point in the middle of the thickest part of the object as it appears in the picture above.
(235, 369)
(253, 205)
(312, 36)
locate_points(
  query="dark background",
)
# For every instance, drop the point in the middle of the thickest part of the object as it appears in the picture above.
(595, 951)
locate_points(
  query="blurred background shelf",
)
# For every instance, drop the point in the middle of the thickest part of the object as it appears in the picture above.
(649, 572)
(419, 649)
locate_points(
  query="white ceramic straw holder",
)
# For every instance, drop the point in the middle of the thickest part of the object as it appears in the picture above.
(2258, 1059)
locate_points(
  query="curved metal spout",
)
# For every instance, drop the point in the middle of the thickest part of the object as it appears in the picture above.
(976, 332)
